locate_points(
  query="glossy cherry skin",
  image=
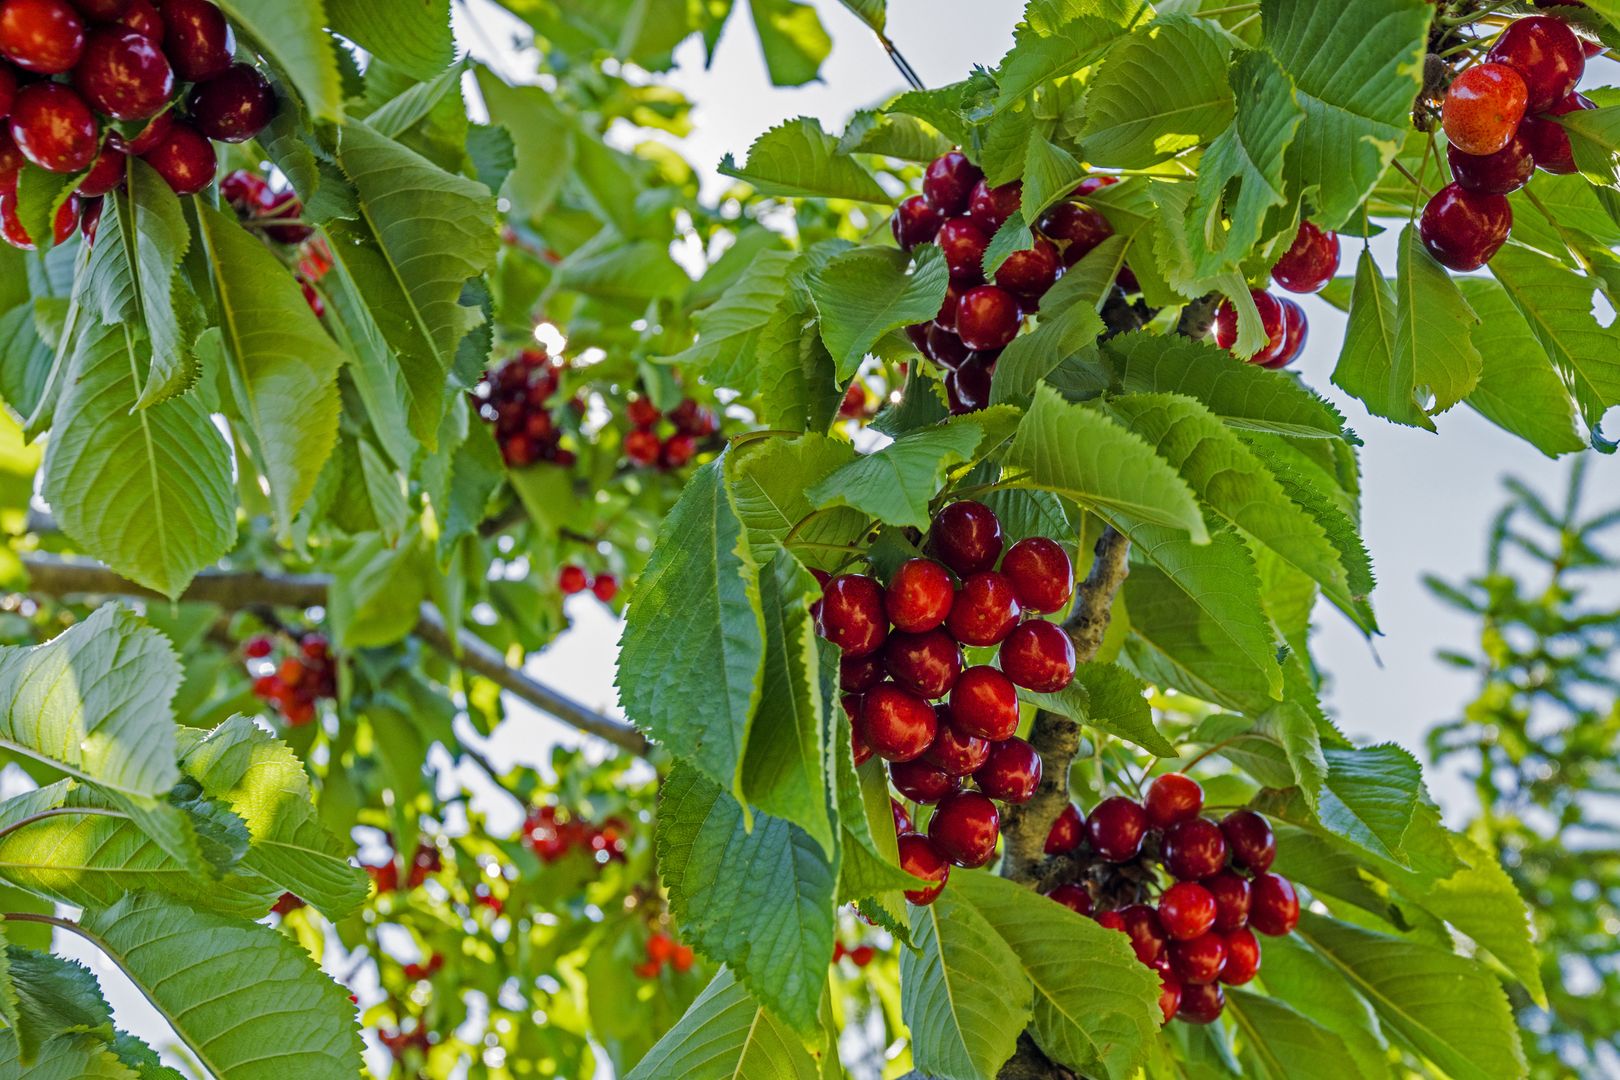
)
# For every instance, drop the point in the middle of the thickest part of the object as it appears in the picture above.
(1464, 229)
(987, 317)
(1242, 957)
(1296, 330)
(185, 159)
(124, 74)
(1501, 173)
(1173, 798)
(965, 828)
(1483, 107)
(921, 859)
(1310, 263)
(1143, 926)
(955, 751)
(852, 615)
(8, 88)
(1113, 920)
(106, 174)
(897, 724)
(944, 348)
(236, 106)
(1546, 54)
(919, 596)
(984, 611)
(1073, 896)
(1194, 849)
(949, 182)
(1169, 995)
(1116, 829)
(858, 674)
(921, 781)
(42, 36)
(198, 39)
(902, 820)
(1274, 909)
(1199, 960)
(54, 128)
(1039, 656)
(1272, 318)
(915, 221)
(1079, 228)
(851, 704)
(101, 10)
(1067, 832)
(968, 387)
(1548, 141)
(1187, 910)
(1250, 840)
(991, 206)
(1201, 1003)
(1041, 574)
(964, 244)
(11, 159)
(967, 537)
(11, 226)
(1011, 773)
(1032, 271)
(150, 136)
(928, 663)
(142, 17)
(1232, 898)
(984, 702)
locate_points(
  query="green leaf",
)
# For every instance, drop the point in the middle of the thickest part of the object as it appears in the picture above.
(414, 37)
(1279, 1041)
(1068, 322)
(1050, 173)
(1357, 68)
(1370, 797)
(293, 36)
(1044, 49)
(727, 1035)
(874, 13)
(728, 330)
(1114, 703)
(377, 591)
(1310, 985)
(542, 136)
(39, 194)
(770, 481)
(893, 135)
(1081, 454)
(867, 292)
(792, 39)
(760, 900)
(246, 1001)
(697, 607)
(53, 997)
(800, 160)
(895, 484)
(66, 1057)
(636, 272)
(1518, 391)
(1594, 135)
(1158, 93)
(1481, 900)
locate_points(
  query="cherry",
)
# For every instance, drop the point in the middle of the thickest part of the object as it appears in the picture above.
(258, 647)
(944, 347)
(955, 751)
(1073, 896)
(1011, 773)
(1232, 897)
(915, 221)
(54, 128)
(1547, 54)
(605, 588)
(984, 611)
(234, 107)
(1297, 332)
(185, 159)
(984, 702)
(1310, 263)
(1250, 839)
(1187, 910)
(858, 674)
(677, 451)
(992, 206)
(11, 160)
(1483, 107)
(1031, 272)
(1272, 317)
(571, 580)
(1039, 656)
(143, 18)
(1080, 228)
(1275, 907)
(897, 724)
(1242, 957)
(151, 135)
(851, 704)
(1148, 938)
(198, 39)
(921, 859)
(1041, 574)
(1501, 173)
(921, 781)
(1548, 141)
(967, 537)
(968, 387)
(106, 174)
(1116, 829)
(919, 596)
(902, 820)
(1199, 960)
(1113, 920)
(8, 88)
(1201, 1003)
(987, 317)
(1067, 832)
(949, 181)
(964, 244)
(965, 828)
(1173, 798)
(852, 614)
(11, 226)
(1169, 995)
(642, 412)
(42, 36)
(692, 419)
(928, 663)
(1464, 229)
(124, 74)
(1194, 849)
(641, 445)
(1093, 184)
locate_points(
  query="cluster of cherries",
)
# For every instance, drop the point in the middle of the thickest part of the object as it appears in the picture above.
(278, 215)
(902, 651)
(1200, 933)
(298, 681)
(425, 969)
(664, 950)
(1306, 267)
(960, 212)
(573, 579)
(551, 836)
(683, 427)
(1499, 120)
(76, 78)
(516, 397)
(425, 860)
(860, 955)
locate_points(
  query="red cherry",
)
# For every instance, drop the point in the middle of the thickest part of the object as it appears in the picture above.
(1547, 54)
(1093, 184)
(143, 18)
(902, 820)
(1483, 107)
(572, 579)
(897, 724)
(54, 128)
(922, 782)
(915, 221)
(921, 859)
(198, 39)
(106, 174)
(919, 596)
(258, 647)
(1073, 896)
(984, 611)
(1116, 829)
(964, 244)
(1187, 910)
(1464, 229)
(991, 206)
(1148, 939)
(11, 160)
(968, 387)
(949, 182)
(1113, 920)
(852, 614)
(1199, 960)
(955, 751)
(928, 663)
(1194, 849)
(677, 451)
(984, 702)
(1274, 909)
(1249, 837)
(42, 36)
(1548, 141)
(692, 419)
(1242, 957)
(642, 446)
(946, 318)
(1067, 832)
(1310, 263)
(851, 704)
(605, 588)
(1173, 798)
(1272, 318)
(1011, 773)
(987, 317)
(944, 348)
(642, 412)
(8, 88)
(236, 106)
(1032, 271)
(967, 537)
(153, 134)
(1169, 996)
(1296, 331)
(965, 828)
(313, 298)
(124, 74)
(66, 221)
(1201, 1003)
(1501, 173)
(1080, 228)
(858, 674)
(185, 160)
(11, 226)
(1041, 575)
(1232, 898)
(1039, 656)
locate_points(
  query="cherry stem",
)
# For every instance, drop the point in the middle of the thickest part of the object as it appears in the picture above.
(1245, 21)
(907, 72)
(1211, 749)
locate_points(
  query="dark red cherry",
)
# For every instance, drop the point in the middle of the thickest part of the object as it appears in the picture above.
(54, 128)
(236, 106)
(1194, 849)
(928, 663)
(902, 820)
(1067, 832)
(1201, 1003)
(1173, 798)
(1029, 273)
(1093, 184)
(142, 17)
(1011, 773)
(957, 752)
(1169, 995)
(1483, 107)
(897, 724)
(922, 781)
(11, 226)
(101, 10)
(42, 36)
(987, 317)
(1272, 318)
(968, 387)
(945, 348)
(946, 318)
(991, 206)
(1547, 54)
(1146, 931)
(106, 174)
(11, 160)
(1232, 897)
(1187, 910)
(1464, 229)
(852, 614)
(90, 219)
(1548, 141)
(124, 74)
(1073, 896)
(1079, 228)
(185, 159)
(965, 828)
(1113, 920)
(66, 221)
(198, 39)
(8, 88)
(967, 537)
(984, 702)
(1310, 263)
(921, 859)
(949, 182)
(1501, 173)
(1296, 330)
(919, 596)
(1242, 957)
(984, 611)
(1039, 656)
(1041, 574)
(1274, 907)
(964, 243)
(151, 135)
(1199, 961)
(1250, 840)
(915, 221)
(1116, 828)
(858, 674)
(851, 704)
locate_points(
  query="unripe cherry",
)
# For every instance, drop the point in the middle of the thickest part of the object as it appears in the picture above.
(1483, 107)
